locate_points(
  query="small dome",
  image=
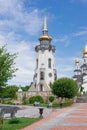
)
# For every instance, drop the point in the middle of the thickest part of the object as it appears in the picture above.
(76, 61)
(85, 51)
(19, 90)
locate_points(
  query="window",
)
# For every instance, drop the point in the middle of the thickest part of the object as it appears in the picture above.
(49, 62)
(37, 63)
(35, 84)
(41, 75)
(55, 76)
(50, 84)
(41, 87)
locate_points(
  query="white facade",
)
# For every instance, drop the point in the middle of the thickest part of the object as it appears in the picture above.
(84, 85)
(43, 57)
(81, 71)
(45, 72)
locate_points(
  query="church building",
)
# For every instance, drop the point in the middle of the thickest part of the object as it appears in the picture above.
(45, 73)
(80, 72)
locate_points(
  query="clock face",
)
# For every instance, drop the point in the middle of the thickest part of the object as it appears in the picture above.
(50, 74)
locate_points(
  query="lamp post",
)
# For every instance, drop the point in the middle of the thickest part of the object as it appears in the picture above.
(41, 112)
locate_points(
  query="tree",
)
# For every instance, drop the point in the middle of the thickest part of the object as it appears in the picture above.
(51, 98)
(26, 88)
(65, 87)
(9, 92)
(7, 66)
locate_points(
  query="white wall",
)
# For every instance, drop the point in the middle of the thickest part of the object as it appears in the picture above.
(43, 57)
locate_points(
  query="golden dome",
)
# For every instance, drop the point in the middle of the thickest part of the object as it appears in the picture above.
(76, 61)
(85, 51)
(45, 35)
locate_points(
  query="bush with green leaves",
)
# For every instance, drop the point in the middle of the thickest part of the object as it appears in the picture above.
(65, 87)
(36, 99)
(7, 67)
(51, 98)
(14, 121)
(24, 99)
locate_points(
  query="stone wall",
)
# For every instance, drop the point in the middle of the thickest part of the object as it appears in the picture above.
(45, 94)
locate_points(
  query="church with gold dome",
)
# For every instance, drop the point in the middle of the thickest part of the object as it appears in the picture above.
(45, 73)
(80, 72)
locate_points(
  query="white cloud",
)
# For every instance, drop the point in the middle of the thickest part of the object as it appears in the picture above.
(15, 20)
(25, 61)
(65, 66)
(15, 23)
(80, 33)
(60, 38)
(14, 16)
(65, 39)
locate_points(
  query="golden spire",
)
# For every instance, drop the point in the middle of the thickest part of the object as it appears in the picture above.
(76, 61)
(45, 24)
(85, 51)
(45, 35)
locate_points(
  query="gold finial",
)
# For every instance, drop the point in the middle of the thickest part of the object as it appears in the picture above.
(45, 23)
(76, 61)
(85, 51)
(45, 35)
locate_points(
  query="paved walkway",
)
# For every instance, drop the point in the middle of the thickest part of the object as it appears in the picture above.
(70, 118)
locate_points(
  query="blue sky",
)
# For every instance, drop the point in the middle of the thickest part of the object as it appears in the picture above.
(21, 23)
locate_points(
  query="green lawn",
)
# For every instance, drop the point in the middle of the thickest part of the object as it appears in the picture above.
(17, 126)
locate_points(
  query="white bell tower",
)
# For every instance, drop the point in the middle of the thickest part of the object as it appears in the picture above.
(84, 69)
(45, 72)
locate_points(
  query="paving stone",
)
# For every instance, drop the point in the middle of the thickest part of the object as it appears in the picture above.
(63, 119)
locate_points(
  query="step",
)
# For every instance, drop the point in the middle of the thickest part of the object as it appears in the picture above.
(81, 100)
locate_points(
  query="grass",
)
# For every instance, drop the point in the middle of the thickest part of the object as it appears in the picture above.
(55, 105)
(66, 104)
(17, 126)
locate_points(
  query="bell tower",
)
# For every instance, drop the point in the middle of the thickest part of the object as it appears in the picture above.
(77, 70)
(45, 72)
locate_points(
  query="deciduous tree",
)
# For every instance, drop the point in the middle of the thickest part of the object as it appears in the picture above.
(7, 66)
(65, 87)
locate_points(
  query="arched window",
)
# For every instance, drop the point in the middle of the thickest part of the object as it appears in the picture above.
(49, 62)
(41, 75)
(41, 87)
(55, 76)
(50, 84)
(36, 63)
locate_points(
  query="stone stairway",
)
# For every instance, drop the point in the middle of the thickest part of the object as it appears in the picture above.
(82, 99)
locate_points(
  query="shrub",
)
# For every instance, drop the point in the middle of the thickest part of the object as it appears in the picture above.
(51, 98)
(65, 88)
(68, 103)
(24, 99)
(14, 121)
(8, 101)
(1, 123)
(35, 99)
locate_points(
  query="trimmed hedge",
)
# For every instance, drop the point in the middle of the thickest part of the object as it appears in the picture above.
(51, 98)
(14, 121)
(36, 99)
(65, 104)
